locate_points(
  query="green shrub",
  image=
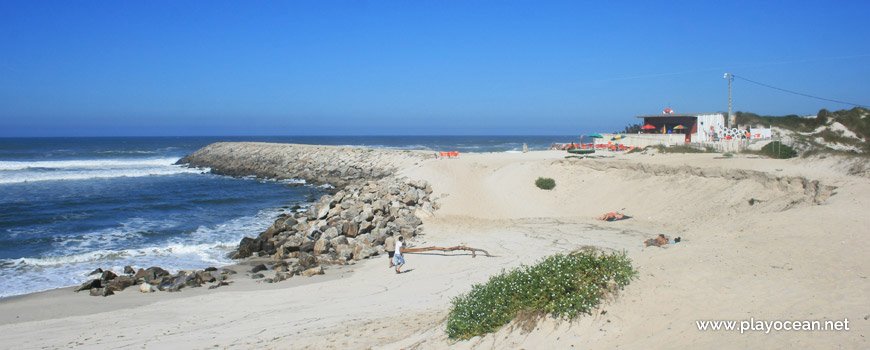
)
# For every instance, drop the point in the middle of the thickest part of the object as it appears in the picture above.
(726, 154)
(636, 150)
(681, 149)
(564, 286)
(545, 183)
(778, 150)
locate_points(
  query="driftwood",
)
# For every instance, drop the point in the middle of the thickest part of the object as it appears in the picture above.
(459, 247)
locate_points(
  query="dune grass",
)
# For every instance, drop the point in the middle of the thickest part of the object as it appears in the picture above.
(564, 286)
(545, 183)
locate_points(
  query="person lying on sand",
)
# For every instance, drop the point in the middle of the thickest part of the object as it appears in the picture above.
(612, 216)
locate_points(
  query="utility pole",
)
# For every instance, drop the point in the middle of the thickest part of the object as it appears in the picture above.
(729, 121)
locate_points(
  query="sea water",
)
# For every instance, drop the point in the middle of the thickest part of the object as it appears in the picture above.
(71, 205)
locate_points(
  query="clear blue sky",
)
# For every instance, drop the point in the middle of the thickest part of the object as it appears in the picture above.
(117, 68)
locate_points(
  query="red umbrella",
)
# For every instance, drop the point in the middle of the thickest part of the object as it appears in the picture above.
(648, 127)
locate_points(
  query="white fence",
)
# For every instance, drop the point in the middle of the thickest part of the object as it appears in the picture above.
(723, 146)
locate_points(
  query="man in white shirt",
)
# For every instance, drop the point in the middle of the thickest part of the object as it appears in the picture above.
(398, 259)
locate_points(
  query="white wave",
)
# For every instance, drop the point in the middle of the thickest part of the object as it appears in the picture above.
(201, 251)
(206, 246)
(88, 163)
(96, 174)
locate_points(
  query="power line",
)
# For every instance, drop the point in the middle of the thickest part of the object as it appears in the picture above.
(798, 93)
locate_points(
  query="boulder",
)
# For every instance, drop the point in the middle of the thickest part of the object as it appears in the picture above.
(288, 223)
(94, 283)
(152, 275)
(174, 284)
(361, 252)
(313, 271)
(307, 247)
(147, 288)
(365, 227)
(259, 268)
(101, 292)
(108, 275)
(330, 233)
(120, 283)
(281, 276)
(352, 229)
(321, 246)
(338, 241)
(98, 271)
(307, 260)
(247, 247)
(293, 243)
(423, 214)
(128, 270)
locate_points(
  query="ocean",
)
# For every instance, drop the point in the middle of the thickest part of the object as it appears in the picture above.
(71, 205)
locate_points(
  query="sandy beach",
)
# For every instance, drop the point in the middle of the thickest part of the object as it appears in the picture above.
(761, 238)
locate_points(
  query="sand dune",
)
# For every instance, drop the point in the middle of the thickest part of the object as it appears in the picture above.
(797, 252)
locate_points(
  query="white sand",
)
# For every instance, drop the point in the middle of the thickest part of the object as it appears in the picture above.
(783, 258)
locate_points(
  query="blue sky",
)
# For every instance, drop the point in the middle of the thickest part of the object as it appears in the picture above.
(116, 68)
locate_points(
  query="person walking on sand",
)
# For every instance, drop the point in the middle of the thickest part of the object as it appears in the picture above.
(390, 247)
(398, 259)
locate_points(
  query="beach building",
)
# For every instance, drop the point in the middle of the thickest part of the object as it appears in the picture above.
(689, 127)
(700, 130)
(671, 129)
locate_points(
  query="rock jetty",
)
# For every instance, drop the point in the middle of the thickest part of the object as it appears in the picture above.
(368, 204)
(351, 224)
(317, 165)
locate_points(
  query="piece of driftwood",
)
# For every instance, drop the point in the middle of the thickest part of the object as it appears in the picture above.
(450, 249)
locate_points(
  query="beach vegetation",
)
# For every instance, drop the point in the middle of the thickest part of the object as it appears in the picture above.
(562, 286)
(631, 129)
(856, 120)
(728, 154)
(778, 150)
(545, 183)
(636, 150)
(682, 149)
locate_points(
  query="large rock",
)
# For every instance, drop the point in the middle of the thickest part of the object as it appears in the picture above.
(247, 247)
(293, 243)
(120, 283)
(174, 284)
(321, 246)
(330, 233)
(352, 229)
(147, 288)
(307, 260)
(94, 283)
(152, 275)
(108, 276)
(313, 271)
(258, 268)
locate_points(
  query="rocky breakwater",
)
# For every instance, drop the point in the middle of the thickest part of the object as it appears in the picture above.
(368, 204)
(351, 224)
(318, 165)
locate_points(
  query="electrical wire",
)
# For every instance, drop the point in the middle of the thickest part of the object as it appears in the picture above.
(802, 94)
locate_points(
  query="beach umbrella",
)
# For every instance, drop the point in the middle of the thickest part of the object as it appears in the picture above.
(596, 135)
(648, 127)
(679, 127)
